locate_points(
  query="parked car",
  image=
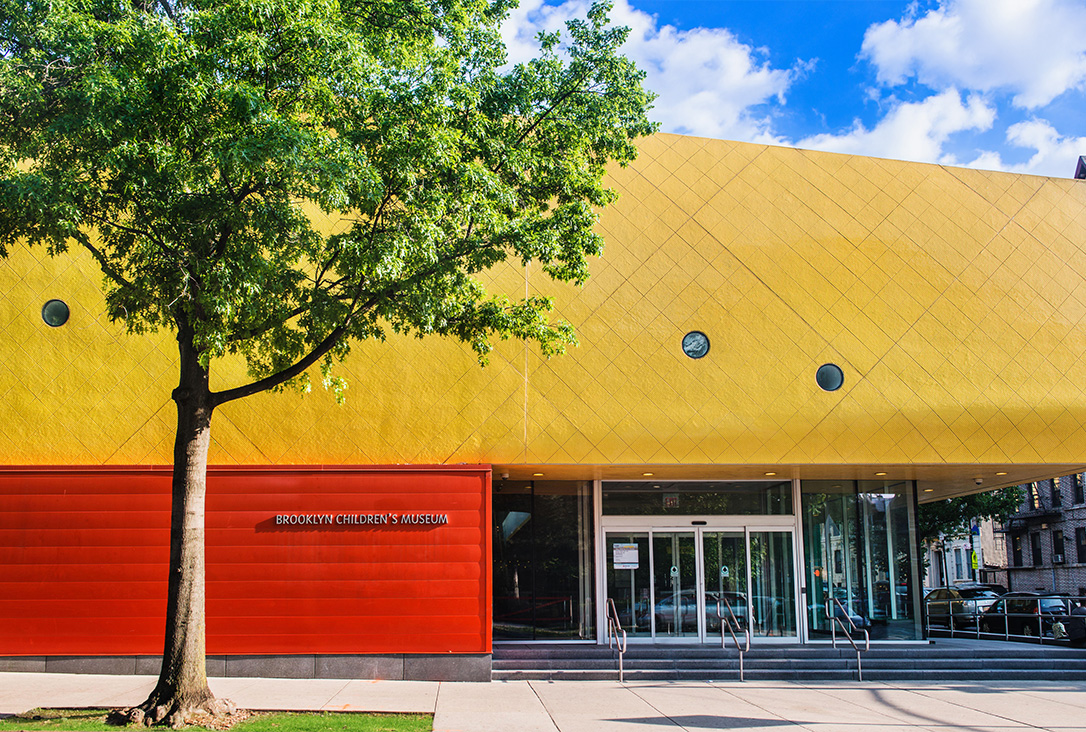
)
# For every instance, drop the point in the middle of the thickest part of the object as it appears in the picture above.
(861, 621)
(684, 618)
(1024, 613)
(738, 603)
(962, 604)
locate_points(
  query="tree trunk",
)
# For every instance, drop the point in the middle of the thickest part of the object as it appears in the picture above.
(182, 689)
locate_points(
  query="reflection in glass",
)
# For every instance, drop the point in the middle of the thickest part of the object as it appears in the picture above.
(543, 569)
(628, 581)
(675, 600)
(860, 548)
(773, 584)
(725, 579)
(697, 498)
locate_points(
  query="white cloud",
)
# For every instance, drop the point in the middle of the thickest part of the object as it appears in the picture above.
(707, 82)
(1034, 49)
(911, 130)
(1054, 154)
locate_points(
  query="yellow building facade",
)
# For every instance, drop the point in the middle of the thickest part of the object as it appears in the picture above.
(950, 299)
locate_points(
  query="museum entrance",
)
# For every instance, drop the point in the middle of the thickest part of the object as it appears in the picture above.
(675, 584)
(677, 555)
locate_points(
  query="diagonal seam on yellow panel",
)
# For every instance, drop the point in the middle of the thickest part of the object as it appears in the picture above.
(139, 430)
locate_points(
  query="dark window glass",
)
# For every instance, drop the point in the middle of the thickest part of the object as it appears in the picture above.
(1056, 497)
(55, 313)
(1080, 543)
(1079, 489)
(1035, 548)
(702, 498)
(830, 377)
(1057, 541)
(1016, 549)
(543, 570)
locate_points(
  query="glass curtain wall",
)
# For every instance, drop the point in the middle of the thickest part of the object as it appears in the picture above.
(860, 548)
(543, 561)
(772, 583)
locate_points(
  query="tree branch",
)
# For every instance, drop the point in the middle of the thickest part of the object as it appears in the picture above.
(104, 263)
(329, 341)
(555, 105)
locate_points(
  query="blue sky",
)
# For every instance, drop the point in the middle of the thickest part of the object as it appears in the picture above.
(994, 84)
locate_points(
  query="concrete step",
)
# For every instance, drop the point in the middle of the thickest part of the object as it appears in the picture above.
(951, 661)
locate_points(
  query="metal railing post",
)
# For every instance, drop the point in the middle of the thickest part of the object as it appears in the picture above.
(733, 622)
(617, 635)
(835, 621)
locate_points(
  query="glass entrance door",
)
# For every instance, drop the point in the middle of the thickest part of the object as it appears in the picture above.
(677, 583)
(675, 594)
(725, 556)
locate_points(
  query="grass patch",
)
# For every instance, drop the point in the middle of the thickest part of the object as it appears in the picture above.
(94, 720)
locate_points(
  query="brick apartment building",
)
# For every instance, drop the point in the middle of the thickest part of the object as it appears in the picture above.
(1046, 539)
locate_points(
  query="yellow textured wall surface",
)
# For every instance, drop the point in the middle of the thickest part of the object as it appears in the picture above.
(952, 299)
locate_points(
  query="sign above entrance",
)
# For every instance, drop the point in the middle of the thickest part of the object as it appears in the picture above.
(626, 556)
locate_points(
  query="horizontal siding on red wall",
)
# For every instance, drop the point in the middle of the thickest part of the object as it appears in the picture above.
(83, 561)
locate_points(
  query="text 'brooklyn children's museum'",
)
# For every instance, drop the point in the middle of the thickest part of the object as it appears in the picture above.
(341, 519)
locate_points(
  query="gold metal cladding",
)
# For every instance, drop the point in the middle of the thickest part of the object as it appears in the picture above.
(950, 298)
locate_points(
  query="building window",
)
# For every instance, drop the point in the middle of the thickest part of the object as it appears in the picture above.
(829, 377)
(55, 313)
(1080, 544)
(1056, 498)
(1035, 548)
(1080, 492)
(1034, 497)
(1016, 548)
(543, 571)
(1057, 545)
(959, 572)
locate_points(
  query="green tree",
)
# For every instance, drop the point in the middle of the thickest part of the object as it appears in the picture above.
(180, 142)
(952, 516)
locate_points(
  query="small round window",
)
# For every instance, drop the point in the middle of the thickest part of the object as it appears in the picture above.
(55, 313)
(695, 344)
(830, 377)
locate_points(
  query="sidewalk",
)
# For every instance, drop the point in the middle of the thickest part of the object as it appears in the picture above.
(603, 706)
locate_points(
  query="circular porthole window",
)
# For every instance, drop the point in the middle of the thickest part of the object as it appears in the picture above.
(830, 377)
(55, 313)
(695, 344)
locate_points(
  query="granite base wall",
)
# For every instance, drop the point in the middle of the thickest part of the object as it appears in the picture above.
(392, 667)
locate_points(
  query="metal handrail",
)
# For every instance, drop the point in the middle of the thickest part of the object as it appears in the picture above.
(729, 627)
(615, 634)
(848, 631)
(978, 618)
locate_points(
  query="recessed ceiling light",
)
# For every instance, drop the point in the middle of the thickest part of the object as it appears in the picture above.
(928, 490)
(538, 475)
(880, 474)
(771, 473)
(1003, 473)
(647, 475)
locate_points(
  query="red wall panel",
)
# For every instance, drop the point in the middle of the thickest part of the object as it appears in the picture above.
(83, 561)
